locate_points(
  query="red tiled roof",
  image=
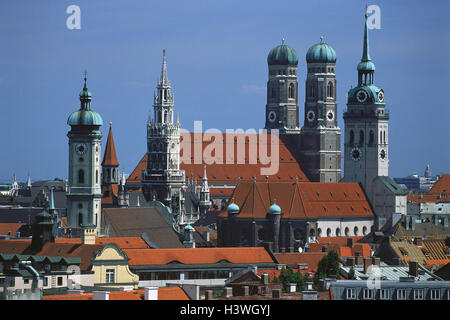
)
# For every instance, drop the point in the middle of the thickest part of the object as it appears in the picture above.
(271, 272)
(110, 157)
(111, 196)
(289, 169)
(9, 228)
(442, 186)
(84, 251)
(340, 246)
(338, 240)
(164, 293)
(293, 259)
(300, 199)
(122, 242)
(198, 255)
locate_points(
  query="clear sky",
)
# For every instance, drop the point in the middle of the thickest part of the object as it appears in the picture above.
(217, 63)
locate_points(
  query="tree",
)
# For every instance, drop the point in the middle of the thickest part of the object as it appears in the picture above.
(327, 266)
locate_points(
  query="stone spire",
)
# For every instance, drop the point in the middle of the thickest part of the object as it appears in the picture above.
(29, 181)
(205, 201)
(164, 80)
(366, 53)
(110, 156)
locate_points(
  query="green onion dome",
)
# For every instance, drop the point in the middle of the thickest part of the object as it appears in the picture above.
(282, 55)
(321, 53)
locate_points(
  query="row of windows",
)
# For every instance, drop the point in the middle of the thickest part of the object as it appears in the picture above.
(188, 275)
(371, 137)
(398, 294)
(330, 90)
(283, 72)
(291, 92)
(322, 70)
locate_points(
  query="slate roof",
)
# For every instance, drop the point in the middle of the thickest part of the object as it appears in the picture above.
(134, 221)
(301, 200)
(423, 229)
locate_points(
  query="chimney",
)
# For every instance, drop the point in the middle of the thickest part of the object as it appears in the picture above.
(265, 278)
(413, 268)
(151, 293)
(376, 261)
(292, 287)
(367, 264)
(324, 248)
(101, 295)
(418, 242)
(228, 292)
(246, 290)
(350, 243)
(350, 261)
(209, 295)
(276, 294)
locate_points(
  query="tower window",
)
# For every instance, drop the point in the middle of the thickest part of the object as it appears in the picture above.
(361, 137)
(311, 91)
(330, 89)
(80, 219)
(352, 137)
(291, 91)
(371, 137)
(274, 93)
(96, 176)
(80, 176)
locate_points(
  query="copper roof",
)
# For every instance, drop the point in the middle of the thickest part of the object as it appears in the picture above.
(110, 157)
(299, 200)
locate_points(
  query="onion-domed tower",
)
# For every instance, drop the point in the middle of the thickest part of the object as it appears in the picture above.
(321, 136)
(282, 88)
(84, 185)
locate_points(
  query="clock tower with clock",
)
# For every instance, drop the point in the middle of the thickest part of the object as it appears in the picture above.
(282, 111)
(320, 148)
(366, 126)
(84, 183)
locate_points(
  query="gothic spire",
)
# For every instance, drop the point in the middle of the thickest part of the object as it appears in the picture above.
(366, 54)
(164, 80)
(110, 156)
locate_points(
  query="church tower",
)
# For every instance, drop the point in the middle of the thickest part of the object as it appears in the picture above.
(110, 170)
(320, 149)
(366, 153)
(282, 90)
(84, 185)
(205, 202)
(163, 180)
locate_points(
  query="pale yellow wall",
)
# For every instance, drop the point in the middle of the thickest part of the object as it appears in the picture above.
(123, 274)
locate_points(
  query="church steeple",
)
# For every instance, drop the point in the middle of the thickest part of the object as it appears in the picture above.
(164, 80)
(366, 67)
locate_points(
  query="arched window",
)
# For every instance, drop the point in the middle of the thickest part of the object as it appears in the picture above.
(312, 233)
(384, 137)
(330, 89)
(80, 219)
(364, 230)
(274, 93)
(338, 232)
(371, 137)
(291, 91)
(311, 91)
(96, 176)
(346, 231)
(80, 176)
(355, 231)
(114, 173)
(352, 137)
(361, 137)
(381, 137)
(328, 232)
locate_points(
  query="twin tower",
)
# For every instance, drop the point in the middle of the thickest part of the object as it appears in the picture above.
(318, 141)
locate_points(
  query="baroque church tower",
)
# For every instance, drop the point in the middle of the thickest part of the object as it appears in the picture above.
(320, 148)
(163, 180)
(366, 126)
(282, 88)
(84, 185)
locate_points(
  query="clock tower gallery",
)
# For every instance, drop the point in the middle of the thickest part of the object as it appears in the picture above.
(84, 185)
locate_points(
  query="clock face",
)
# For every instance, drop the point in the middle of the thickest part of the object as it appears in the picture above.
(356, 154)
(81, 148)
(382, 154)
(361, 95)
(330, 115)
(310, 116)
(272, 116)
(381, 96)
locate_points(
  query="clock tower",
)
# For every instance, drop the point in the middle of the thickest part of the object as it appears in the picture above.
(366, 126)
(84, 185)
(282, 90)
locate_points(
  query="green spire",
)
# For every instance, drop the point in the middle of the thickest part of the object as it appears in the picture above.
(51, 206)
(366, 54)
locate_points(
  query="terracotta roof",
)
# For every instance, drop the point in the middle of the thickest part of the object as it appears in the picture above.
(198, 256)
(300, 199)
(338, 240)
(164, 293)
(289, 168)
(110, 157)
(428, 198)
(339, 244)
(10, 228)
(110, 194)
(15, 246)
(442, 186)
(293, 259)
(122, 242)
(437, 249)
(271, 272)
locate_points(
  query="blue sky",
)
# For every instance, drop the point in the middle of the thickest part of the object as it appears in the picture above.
(216, 54)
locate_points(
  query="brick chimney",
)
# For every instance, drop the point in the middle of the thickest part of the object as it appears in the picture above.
(413, 268)
(376, 261)
(350, 261)
(350, 243)
(324, 248)
(265, 278)
(367, 264)
(358, 258)
(418, 241)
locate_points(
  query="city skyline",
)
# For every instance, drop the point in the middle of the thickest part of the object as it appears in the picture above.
(214, 76)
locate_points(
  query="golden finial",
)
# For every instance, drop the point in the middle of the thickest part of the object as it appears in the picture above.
(282, 40)
(110, 123)
(321, 39)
